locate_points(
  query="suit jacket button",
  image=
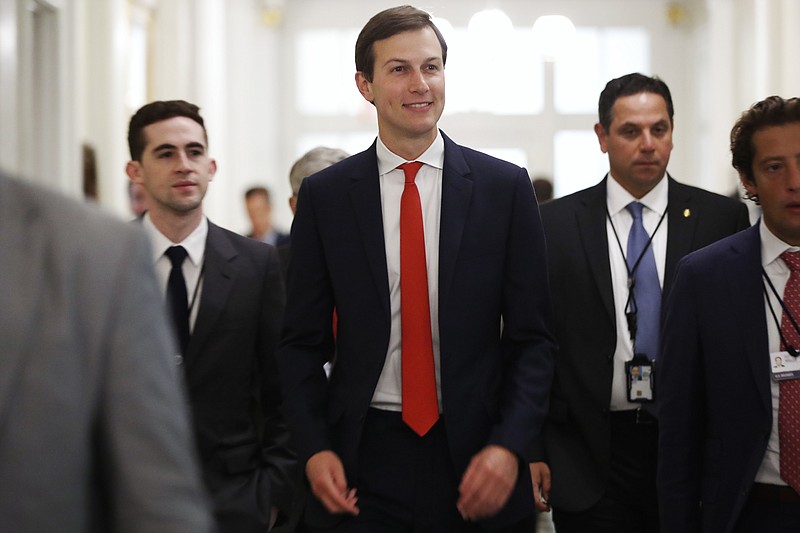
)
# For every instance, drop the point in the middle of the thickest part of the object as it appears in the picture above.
(178, 359)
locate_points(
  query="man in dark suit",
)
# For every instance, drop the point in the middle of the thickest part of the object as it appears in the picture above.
(726, 448)
(226, 312)
(94, 431)
(600, 438)
(449, 455)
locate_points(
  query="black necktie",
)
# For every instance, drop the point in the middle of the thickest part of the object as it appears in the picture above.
(177, 297)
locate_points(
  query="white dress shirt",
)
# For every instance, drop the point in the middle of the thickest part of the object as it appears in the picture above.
(195, 245)
(771, 249)
(388, 393)
(620, 221)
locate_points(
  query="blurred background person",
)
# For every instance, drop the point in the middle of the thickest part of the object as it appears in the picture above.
(543, 187)
(137, 195)
(259, 209)
(311, 162)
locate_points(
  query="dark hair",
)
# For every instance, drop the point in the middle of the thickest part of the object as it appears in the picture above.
(629, 85)
(386, 24)
(257, 191)
(772, 111)
(156, 112)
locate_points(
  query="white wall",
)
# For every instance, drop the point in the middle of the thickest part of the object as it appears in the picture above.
(223, 55)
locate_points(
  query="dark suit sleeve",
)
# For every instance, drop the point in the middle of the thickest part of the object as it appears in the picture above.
(528, 346)
(307, 338)
(681, 408)
(276, 452)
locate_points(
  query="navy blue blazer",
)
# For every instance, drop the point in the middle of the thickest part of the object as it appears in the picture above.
(494, 312)
(713, 379)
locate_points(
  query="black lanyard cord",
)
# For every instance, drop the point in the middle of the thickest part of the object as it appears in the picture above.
(630, 304)
(792, 351)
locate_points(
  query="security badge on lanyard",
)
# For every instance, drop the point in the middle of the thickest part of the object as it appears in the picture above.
(639, 370)
(639, 375)
(785, 364)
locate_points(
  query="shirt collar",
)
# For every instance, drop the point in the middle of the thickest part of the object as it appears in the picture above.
(771, 246)
(433, 156)
(617, 198)
(195, 243)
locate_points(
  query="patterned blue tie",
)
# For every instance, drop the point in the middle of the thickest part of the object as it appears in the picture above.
(647, 291)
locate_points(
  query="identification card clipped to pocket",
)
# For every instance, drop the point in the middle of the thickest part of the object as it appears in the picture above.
(639, 376)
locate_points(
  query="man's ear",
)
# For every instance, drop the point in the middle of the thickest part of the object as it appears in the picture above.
(134, 171)
(748, 184)
(364, 87)
(602, 137)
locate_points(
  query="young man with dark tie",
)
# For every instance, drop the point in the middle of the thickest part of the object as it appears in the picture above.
(226, 300)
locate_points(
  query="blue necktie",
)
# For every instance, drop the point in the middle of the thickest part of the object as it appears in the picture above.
(646, 290)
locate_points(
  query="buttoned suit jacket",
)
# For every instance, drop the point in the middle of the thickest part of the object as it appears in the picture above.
(577, 435)
(715, 407)
(494, 377)
(233, 384)
(94, 427)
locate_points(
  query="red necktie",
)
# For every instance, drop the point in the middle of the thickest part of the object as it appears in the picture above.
(789, 399)
(420, 407)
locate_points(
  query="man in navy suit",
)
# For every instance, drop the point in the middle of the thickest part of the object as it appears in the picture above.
(233, 300)
(721, 455)
(487, 298)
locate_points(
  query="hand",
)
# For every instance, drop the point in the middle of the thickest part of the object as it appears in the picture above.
(540, 477)
(487, 483)
(325, 474)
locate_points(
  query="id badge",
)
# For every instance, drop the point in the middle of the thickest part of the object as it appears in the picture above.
(784, 366)
(639, 376)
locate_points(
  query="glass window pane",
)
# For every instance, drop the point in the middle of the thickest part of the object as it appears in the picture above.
(577, 160)
(512, 155)
(352, 143)
(473, 85)
(325, 83)
(599, 55)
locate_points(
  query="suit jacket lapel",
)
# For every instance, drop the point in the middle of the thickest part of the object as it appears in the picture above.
(23, 267)
(456, 196)
(365, 195)
(745, 284)
(681, 221)
(591, 221)
(219, 273)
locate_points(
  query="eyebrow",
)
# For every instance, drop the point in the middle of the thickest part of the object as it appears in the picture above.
(167, 146)
(431, 59)
(662, 121)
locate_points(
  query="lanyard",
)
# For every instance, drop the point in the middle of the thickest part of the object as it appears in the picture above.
(197, 287)
(631, 308)
(790, 349)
